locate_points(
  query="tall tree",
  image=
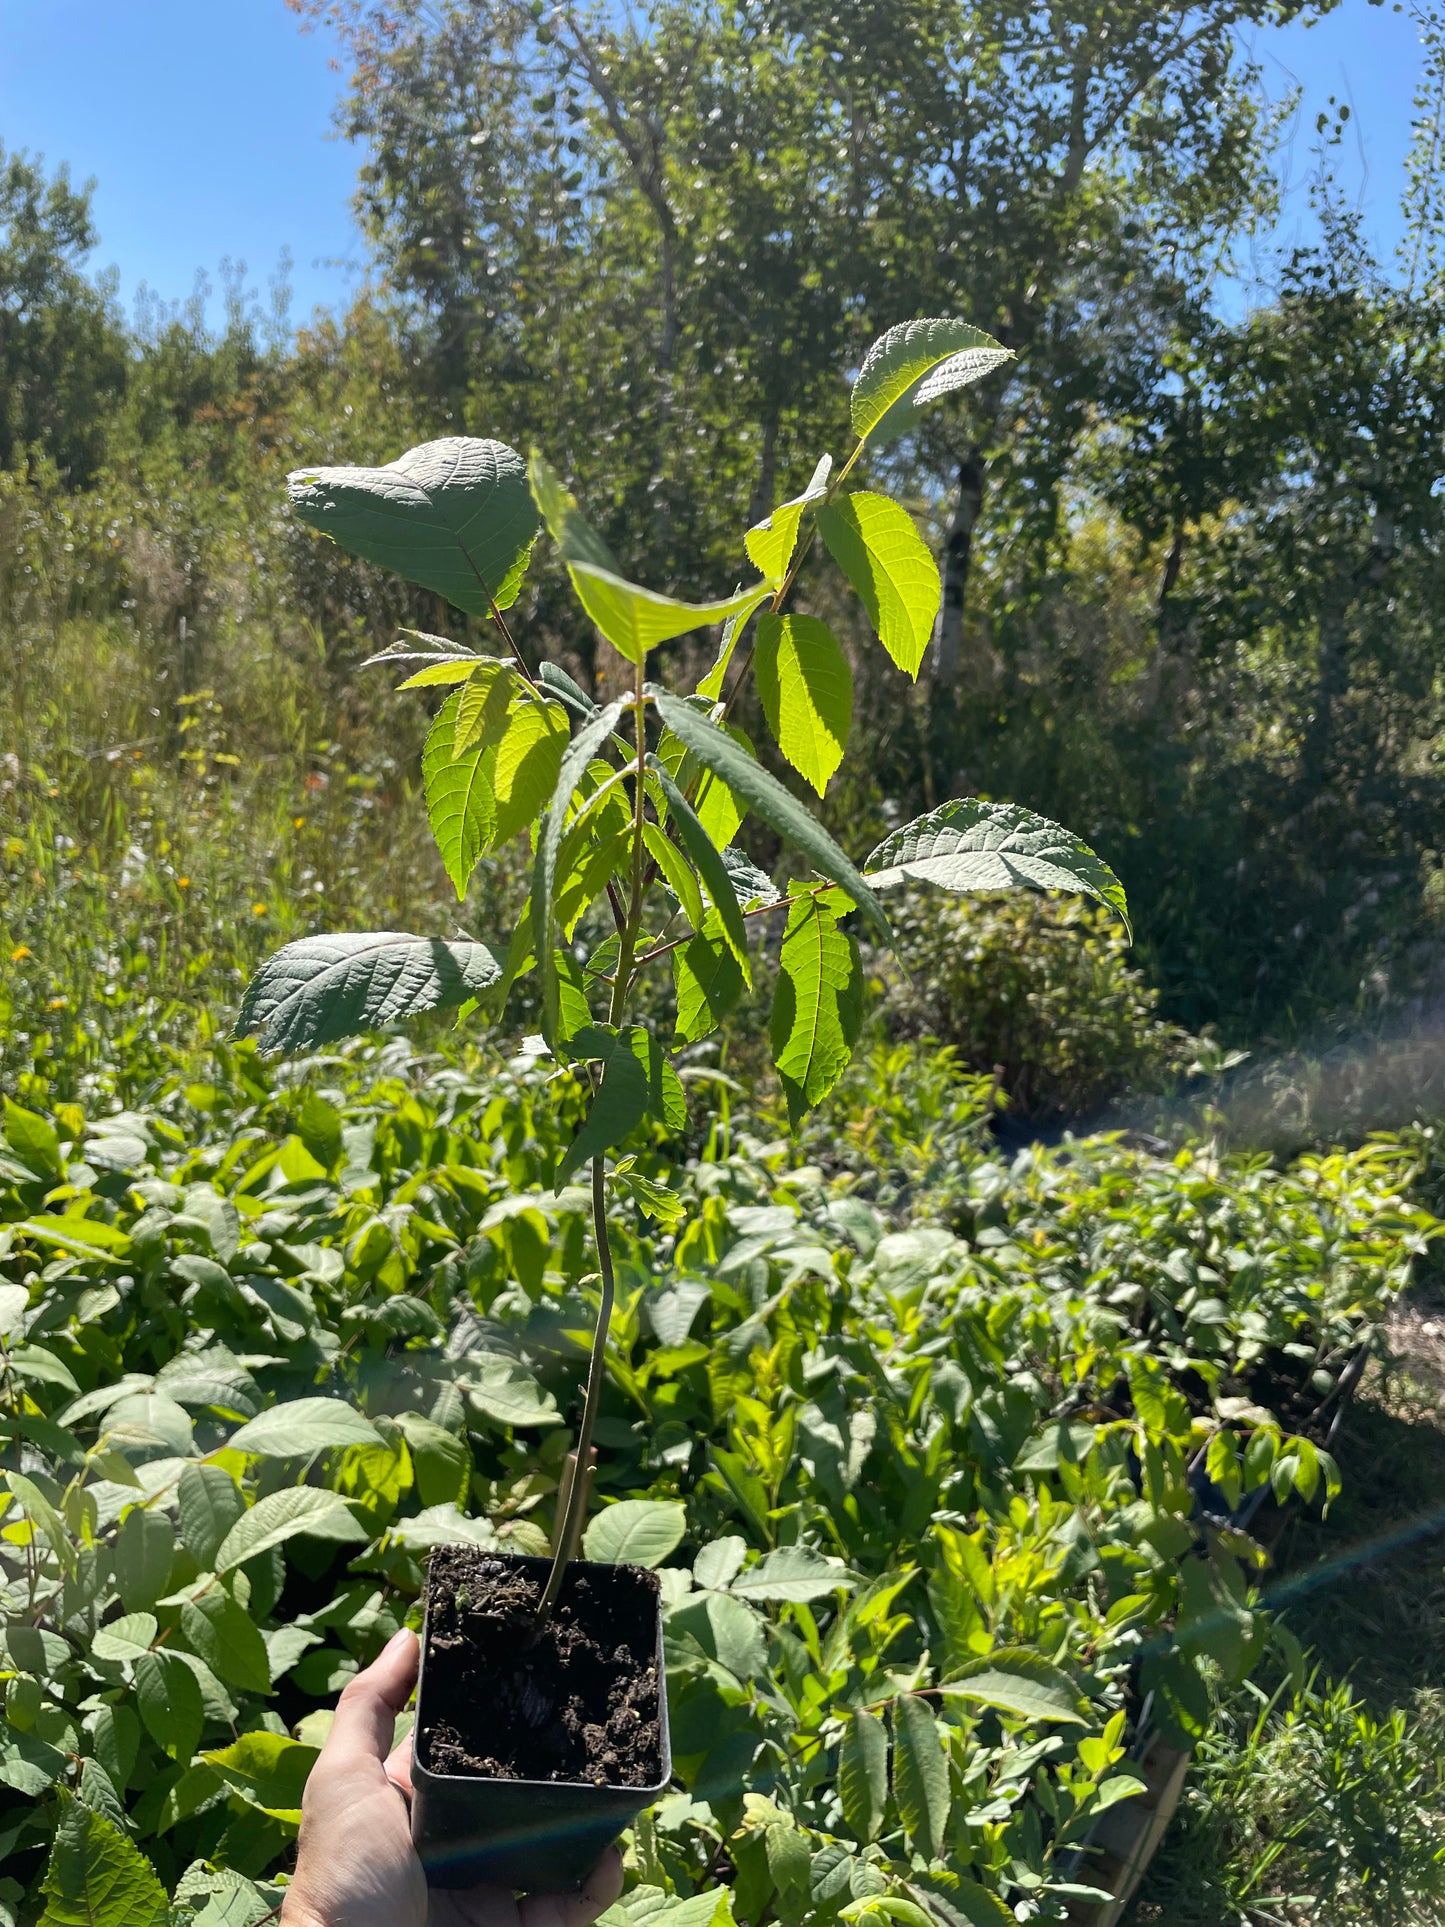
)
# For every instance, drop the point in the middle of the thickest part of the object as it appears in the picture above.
(62, 350)
(713, 201)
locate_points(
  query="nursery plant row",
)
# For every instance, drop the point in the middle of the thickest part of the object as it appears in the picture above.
(940, 1455)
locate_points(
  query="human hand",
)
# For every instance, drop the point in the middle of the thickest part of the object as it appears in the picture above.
(356, 1866)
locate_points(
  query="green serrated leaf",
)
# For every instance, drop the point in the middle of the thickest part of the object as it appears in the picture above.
(169, 1699)
(126, 1638)
(657, 1201)
(806, 689)
(584, 881)
(875, 544)
(1022, 1683)
(142, 1556)
(637, 1081)
(920, 1775)
(44, 1517)
(574, 1013)
(33, 1139)
(14, 1304)
(979, 1906)
(972, 845)
(770, 544)
(793, 1573)
(708, 980)
(96, 1877)
(676, 873)
(505, 1391)
(529, 757)
(461, 801)
(636, 1532)
(718, 810)
(710, 866)
(633, 619)
(280, 1516)
(574, 535)
(85, 1236)
(442, 1463)
(438, 675)
(915, 363)
(454, 515)
(209, 1502)
(574, 763)
(481, 716)
(717, 751)
(863, 1776)
(712, 683)
(322, 988)
(817, 1004)
(267, 1770)
(219, 1631)
(302, 1426)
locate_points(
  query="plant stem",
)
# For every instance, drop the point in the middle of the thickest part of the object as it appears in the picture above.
(800, 556)
(568, 1529)
(596, 1372)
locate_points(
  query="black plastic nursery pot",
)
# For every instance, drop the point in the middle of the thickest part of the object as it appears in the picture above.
(532, 1753)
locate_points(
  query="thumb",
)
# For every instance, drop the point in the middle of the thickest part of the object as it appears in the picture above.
(366, 1712)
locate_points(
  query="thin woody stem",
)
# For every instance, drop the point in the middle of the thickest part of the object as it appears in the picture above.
(511, 640)
(758, 910)
(569, 1526)
(567, 1530)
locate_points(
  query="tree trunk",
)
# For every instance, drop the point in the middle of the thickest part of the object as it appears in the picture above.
(1331, 683)
(957, 555)
(767, 482)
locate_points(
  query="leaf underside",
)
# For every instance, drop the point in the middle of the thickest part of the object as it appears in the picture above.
(914, 364)
(454, 515)
(972, 845)
(322, 988)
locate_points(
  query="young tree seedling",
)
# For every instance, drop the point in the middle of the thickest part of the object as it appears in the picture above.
(636, 803)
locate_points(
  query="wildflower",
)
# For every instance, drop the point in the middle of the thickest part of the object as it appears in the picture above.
(258, 909)
(20, 953)
(183, 883)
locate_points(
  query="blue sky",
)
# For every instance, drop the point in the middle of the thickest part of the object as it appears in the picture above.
(205, 124)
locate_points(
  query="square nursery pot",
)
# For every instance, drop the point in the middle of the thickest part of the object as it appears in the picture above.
(531, 1754)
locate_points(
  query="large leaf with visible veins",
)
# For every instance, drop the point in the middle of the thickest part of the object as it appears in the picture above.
(322, 988)
(914, 364)
(455, 515)
(972, 845)
(96, 1877)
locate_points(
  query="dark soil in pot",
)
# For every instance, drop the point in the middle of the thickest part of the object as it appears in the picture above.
(574, 1701)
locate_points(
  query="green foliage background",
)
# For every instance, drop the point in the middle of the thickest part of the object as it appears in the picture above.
(883, 1373)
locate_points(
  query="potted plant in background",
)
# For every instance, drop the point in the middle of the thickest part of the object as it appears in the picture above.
(633, 807)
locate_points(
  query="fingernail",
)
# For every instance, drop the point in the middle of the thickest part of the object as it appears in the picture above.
(396, 1642)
